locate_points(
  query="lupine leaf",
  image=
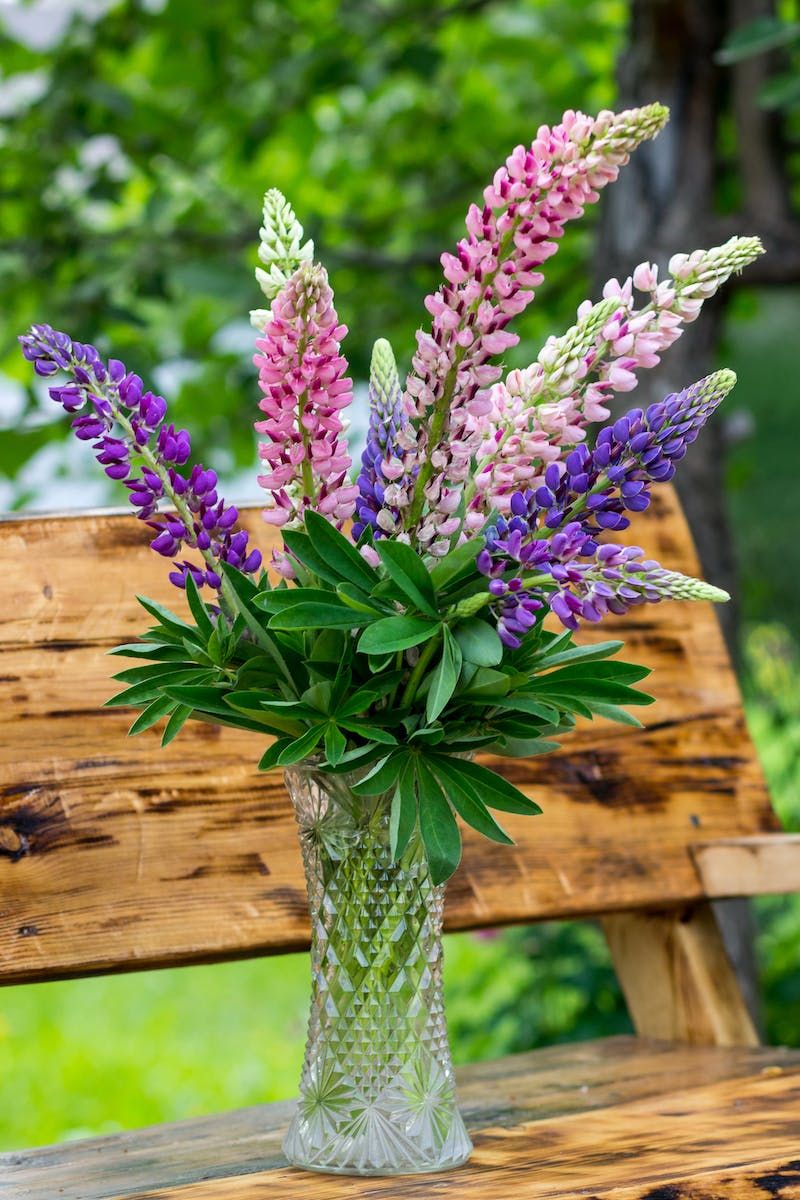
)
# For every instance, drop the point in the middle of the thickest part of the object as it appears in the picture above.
(153, 713)
(269, 758)
(438, 826)
(408, 572)
(280, 598)
(339, 553)
(318, 616)
(383, 776)
(494, 790)
(445, 677)
(335, 743)
(301, 747)
(361, 699)
(396, 633)
(158, 652)
(612, 712)
(403, 816)
(175, 723)
(480, 642)
(198, 608)
(468, 804)
(447, 569)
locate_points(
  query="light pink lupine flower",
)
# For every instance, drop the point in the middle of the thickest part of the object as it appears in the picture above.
(303, 377)
(488, 281)
(540, 413)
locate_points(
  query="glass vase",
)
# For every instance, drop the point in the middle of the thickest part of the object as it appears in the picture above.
(377, 1093)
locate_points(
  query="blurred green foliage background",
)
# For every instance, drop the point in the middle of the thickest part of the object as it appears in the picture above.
(137, 140)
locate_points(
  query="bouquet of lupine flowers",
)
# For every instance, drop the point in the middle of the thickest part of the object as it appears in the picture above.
(402, 624)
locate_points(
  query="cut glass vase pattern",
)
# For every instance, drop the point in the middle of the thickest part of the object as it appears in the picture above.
(377, 1094)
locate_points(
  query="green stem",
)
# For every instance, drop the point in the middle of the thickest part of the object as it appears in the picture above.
(416, 676)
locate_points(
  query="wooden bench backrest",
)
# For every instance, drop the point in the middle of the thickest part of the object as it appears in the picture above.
(116, 855)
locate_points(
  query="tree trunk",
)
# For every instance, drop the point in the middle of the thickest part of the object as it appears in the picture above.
(664, 202)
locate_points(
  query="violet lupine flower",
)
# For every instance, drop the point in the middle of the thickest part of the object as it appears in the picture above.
(490, 280)
(381, 463)
(590, 492)
(639, 449)
(303, 377)
(540, 413)
(616, 579)
(125, 424)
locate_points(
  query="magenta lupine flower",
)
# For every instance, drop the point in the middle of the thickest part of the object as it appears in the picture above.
(125, 424)
(540, 413)
(303, 377)
(490, 280)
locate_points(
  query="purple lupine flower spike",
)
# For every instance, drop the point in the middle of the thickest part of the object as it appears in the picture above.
(124, 422)
(381, 463)
(557, 524)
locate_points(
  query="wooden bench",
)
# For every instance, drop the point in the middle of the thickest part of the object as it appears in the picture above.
(116, 856)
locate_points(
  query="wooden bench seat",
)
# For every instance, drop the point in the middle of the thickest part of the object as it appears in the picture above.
(116, 855)
(612, 1118)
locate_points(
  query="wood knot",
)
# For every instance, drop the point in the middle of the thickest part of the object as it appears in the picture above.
(13, 845)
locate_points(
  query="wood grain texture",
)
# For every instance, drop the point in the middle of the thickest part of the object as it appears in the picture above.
(749, 866)
(116, 855)
(541, 1121)
(678, 980)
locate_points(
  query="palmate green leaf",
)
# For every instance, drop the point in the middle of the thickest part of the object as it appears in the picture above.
(198, 608)
(318, 616)
(153, 713)
(365, 696)
(459, 562)
(269, 759)
(243, 586)
(149, 689)
(493, 789)
(286, 597)
(299, 544)
(527, 704)
(396, 633)
(445, 676)
(152, 671)
(409, 573)
(157, 651)
(556, 658)
(352, 596)
(516, 747)
(619, 672)
(571, 690)
(612, 712)
(367, 729)
(468, 804)
(403, 815)
(383, 776)
(339, 553)
(486, 684)
(480, 642)
(301, 747)
(335, 743)
(438, 826)
(175, 724)
(167, 618)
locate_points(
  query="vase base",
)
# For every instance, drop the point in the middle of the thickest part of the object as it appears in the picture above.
(394, 1151)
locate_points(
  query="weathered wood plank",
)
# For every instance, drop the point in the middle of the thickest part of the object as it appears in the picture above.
(116, 855)
(532, 1090)
(678, 980)
(778, 1177)
(749, 866)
